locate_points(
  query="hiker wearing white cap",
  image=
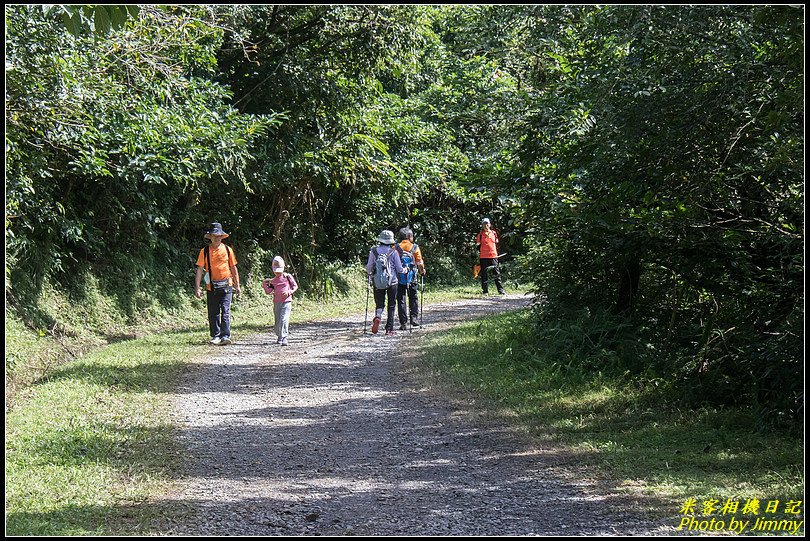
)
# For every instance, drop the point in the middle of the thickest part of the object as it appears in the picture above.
(282, 286)
(487, 241)
(218, 262)
(383, 266)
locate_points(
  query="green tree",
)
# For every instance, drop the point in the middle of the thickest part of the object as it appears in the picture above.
(365, 145)
(663, 168)
(112, 140)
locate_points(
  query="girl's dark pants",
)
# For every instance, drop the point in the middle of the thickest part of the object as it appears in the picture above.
(219, 311)
(379, 302)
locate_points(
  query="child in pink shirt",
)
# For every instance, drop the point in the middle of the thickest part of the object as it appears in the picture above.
(282, 285)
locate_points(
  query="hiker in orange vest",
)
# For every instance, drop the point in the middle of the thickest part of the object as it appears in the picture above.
(487, 241)
(219, 262)
(412, 262)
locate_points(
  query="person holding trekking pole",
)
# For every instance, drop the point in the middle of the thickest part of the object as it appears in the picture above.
(383, 266)
(487, 241)
(412, 262)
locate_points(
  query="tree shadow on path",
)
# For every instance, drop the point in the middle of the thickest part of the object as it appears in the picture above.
(331, 436)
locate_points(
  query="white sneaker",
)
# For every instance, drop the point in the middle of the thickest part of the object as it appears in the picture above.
(216, 340)
(225, 341)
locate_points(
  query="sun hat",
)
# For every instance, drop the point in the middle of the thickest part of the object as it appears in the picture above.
(278, 263)
(386, 237)
(485, 221)
(215, 230)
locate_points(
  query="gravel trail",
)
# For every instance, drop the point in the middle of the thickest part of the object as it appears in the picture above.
(329, 437)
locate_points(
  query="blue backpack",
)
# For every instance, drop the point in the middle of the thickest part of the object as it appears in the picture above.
(408, 264)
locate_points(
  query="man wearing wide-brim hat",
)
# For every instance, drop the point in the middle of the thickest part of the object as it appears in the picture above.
(218, 262)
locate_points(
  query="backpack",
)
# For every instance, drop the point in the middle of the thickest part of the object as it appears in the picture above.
(382, 274)
(408, 263)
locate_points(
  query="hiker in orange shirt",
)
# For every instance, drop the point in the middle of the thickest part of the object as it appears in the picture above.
(219, 261)
(412, 262)
(487, 241)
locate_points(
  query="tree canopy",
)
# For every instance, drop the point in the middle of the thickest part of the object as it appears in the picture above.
(644, 162)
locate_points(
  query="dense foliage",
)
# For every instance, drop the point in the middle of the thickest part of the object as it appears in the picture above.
(663, 190)
(645, 160)
(112, 142)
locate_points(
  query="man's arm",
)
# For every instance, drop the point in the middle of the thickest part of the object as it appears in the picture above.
(235, 274)
(420, 262)
(197, 280)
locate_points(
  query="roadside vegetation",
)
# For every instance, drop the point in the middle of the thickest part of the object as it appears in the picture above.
(635, 431)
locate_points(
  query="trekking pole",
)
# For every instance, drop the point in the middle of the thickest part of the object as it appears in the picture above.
(409, 307)
(408, 311)
(368, 288)
(422, 302)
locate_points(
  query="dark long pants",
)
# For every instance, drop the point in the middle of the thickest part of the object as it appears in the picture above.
(410, 291)
(219, 312)
(486, 262)
(379, 303)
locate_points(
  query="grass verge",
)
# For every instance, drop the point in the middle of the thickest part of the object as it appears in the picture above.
(624, 432)
(92, 440)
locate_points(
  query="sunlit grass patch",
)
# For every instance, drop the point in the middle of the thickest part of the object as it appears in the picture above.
(92, 438)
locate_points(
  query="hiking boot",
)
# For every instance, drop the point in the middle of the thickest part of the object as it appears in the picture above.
(375, 325)
(225, 341)
(390, 332)
(414, 323)
(403, 327)
(216, 340)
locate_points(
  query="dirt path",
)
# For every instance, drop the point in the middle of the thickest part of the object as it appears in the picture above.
(328, 437)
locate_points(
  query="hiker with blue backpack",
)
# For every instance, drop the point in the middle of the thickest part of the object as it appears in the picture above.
(412, 262)
(383, 267)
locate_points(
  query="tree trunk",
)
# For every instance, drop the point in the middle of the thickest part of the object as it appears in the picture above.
(629, 275)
